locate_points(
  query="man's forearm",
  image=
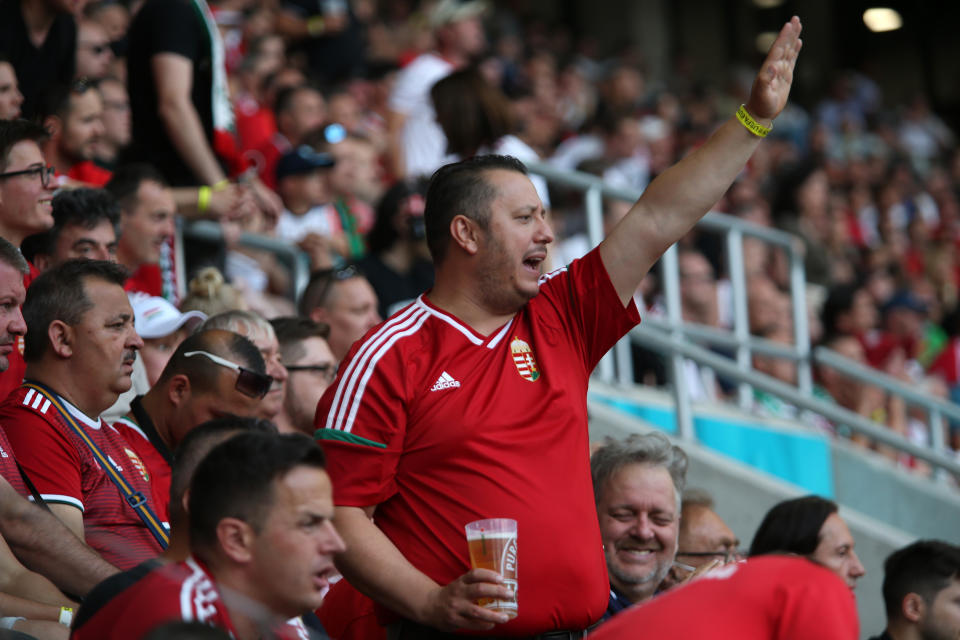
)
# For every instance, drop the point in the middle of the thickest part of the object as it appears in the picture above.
(182, 124)
(46, 546)
(376, 567)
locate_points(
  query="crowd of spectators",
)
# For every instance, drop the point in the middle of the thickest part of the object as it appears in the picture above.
(319, 124)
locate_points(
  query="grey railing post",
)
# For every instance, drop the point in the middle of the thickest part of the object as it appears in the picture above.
(801, 329)
(741, 319)
(671, 291)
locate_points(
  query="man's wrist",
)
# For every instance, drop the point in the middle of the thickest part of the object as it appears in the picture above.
(758, 127)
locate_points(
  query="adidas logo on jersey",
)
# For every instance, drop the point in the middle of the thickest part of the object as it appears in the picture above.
(445, 381)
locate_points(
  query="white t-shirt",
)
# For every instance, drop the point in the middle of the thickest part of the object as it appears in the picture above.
(511, 145)
(322, 220)
(424, 145)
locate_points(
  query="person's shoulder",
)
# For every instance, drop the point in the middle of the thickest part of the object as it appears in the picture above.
(27, 405)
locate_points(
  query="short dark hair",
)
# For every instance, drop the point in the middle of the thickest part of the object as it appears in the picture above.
(472, 112)
(60, 294)
(284, 99)
(197, 444)
(13, 132)
(321, 285)
(203, 372)
(236, 480)
(84, 208)
(925, 567)
(11, 256)
(126, 181)
(55, 99)
(792, 526)
(292, 331)
(461, 188)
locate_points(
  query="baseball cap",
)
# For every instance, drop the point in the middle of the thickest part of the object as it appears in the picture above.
(157, 318)
(905, 299)
(447, 11)
(302, 160)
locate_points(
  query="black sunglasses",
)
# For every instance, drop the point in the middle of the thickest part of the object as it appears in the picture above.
(45, 173)
(728, 555)
(329, 276)
(250, 383)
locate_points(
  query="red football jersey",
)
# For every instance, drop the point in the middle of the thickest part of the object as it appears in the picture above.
(765, 598)
(8, 466)
(158, 471)
(180, 591)
(440, 426)
(64, 471)
(347, 614)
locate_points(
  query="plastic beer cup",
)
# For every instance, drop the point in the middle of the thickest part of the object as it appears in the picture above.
(493, 545)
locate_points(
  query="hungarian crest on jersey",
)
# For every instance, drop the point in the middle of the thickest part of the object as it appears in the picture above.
(523, 359)
(137, 463)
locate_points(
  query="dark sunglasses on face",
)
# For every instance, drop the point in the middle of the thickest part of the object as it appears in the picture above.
(249, 383)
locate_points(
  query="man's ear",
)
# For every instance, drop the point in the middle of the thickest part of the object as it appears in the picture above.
(319, 314)
(466, 233)
(178, 390)
(236, 539)
(913, 607)
(54, 125)
(61, 338)
(42, 261)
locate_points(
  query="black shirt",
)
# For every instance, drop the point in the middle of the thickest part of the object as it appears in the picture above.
(166, 26)
(37, 69)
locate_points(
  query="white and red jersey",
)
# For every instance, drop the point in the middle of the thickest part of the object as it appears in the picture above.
(180, 591)
(439, 426)
(8, 466)
(764, 598)
(157, 468)
(65, 471)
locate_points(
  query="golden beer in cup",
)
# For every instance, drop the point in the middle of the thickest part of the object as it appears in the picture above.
(493, 545)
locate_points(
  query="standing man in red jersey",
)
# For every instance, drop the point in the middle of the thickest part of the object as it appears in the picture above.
(471, 402)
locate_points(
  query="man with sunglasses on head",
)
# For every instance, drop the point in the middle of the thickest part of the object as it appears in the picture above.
(344, 300)
(311, 366)
(80, 349)
(212, 374)
(26, 208)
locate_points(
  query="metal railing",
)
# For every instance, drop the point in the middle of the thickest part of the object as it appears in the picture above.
(673, 338)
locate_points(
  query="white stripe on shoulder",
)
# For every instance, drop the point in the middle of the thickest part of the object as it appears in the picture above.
(348, 380)
(60, 499)
(553, 274)
(28, 397)
(452, 322)
(131, 425)
(368, 371)
(187, 592)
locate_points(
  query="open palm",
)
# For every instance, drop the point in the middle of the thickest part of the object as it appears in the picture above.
(771, 88)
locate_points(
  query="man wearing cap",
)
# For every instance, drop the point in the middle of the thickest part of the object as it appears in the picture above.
(298, 110)
(417, 144)
(308, 220)
(211, 374)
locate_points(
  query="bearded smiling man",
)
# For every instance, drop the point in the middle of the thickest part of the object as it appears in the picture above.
(638, 484)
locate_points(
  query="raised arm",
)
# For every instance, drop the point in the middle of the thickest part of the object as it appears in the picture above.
(674, 202)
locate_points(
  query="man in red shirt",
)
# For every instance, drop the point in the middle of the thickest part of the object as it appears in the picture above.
(471, 402)
(85, 222)
(147, 213)
(73, 115)
(263, 542)
(765, 598)
(79, 357)
(192, 389)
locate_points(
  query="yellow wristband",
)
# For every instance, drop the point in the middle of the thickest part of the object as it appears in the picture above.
(66, 616)
(315, 26)
(752, 125)
(203, 198)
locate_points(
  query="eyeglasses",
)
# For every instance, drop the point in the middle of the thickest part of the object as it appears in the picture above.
(329, 276)
(328, 371)
(728, 555)
(45, 173)
(250, 383)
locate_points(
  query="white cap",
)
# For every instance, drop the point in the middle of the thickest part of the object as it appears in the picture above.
(447, 11)
(157, 318)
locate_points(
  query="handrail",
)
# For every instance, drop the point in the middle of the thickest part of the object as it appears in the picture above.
(654, 339)
(299, 271)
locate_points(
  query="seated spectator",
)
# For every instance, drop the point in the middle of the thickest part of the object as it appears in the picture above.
(254, 563)
(344, 300)
(147, 213)
(34, 535)
(704, 540)
(94, 53)
(194, 448)
(298, 111)
(73, 115)
(80, 354)
(398, 265)
(26, 183)
(211, 374)
(769, 598)
(116, 122)
(84, 226)
(638, 483)
(811, 527)
(261, 334)
(10, 96)
(921, 592)
(210, 294)
(312, 367)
